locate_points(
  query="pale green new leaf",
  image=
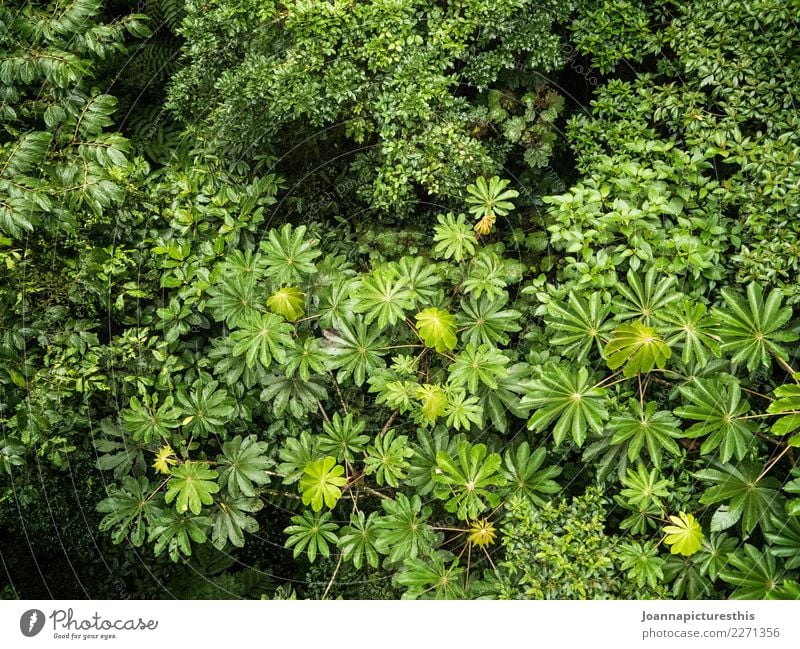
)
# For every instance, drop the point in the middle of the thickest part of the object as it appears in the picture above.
(322, 483)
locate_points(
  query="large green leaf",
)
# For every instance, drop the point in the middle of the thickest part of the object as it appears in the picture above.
(526, 476)
(467, 481)
(717, 406)
(438, 577)
(191, 486)
(175, 532)
(756, 500)
(232, 519)
(128, 509)
(313, 533)
(355, 350)
(403, 532)
(260, 338)
(384, 297)
(289, 255)
(754, 573)
(752, 330)
(638, 347)
(478, 364)
(580, 325)
(244, 465)
(564, 395)
(357, 540)
(387, 458)
(636, 428)
(485, 320)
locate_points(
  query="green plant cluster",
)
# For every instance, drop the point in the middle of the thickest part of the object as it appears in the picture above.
(318, 331)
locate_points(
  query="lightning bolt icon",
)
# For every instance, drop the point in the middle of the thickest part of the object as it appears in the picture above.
(32, 621)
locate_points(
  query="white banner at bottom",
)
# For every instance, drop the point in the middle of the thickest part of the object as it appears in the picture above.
(519, 624)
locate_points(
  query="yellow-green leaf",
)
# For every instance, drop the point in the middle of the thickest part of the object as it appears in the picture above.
(288, 302)
(684, 535)
(437, 329)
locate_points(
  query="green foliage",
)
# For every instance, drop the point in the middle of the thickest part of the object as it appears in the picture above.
(191, 486)
(637, 347)
(716, 405)
(312, 533)
(466, 481)
(560, 551)
(303, 295)
(567, 398)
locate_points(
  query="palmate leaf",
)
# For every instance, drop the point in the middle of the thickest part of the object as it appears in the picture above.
(175, 532)
(434, 401)
(754, 573)
(645, 298)
(638, 428)
(466, 481)
(462, 411)
(739, 486)
(233, 299)
(322, 483)
(788, 404)
(128, 510)
(642, 562)
(387, 458)
(684, 536)
(146, 420)
(454, 238)
(206, 409)
(423, 462)
(565, 396)
(232, 519)
(288, 302)
(478, 364)
(490, 199)
(751, 329)
(526, 476)
(504, 400)
(580, 325)
(304, 358)
(357, 540)
(384, 297)
(343, 437)
(262, 337)
(688, 328)
(420, 277)
(638, 347)
(784, 540)
(244, 465)
(438, 577)
(403, 532)
(644, 489)
(288, 255)
(298, 396)
(437, 328)
(717, 407)
(312, 533)
(191, 486)
(296, 454)
(355, 351)
(484, 320)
